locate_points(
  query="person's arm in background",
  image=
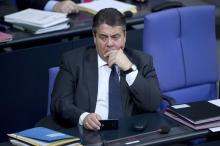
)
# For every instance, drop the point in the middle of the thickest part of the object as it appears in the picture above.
(65, 6)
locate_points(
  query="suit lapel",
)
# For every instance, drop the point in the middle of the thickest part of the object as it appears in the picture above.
(91, 70)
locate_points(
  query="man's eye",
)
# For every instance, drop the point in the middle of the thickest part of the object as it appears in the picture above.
(116, 37)
(103, 38)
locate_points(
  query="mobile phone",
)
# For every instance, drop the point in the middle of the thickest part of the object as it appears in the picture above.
(109, 124)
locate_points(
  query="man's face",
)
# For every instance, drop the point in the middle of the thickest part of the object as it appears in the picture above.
(109, 38)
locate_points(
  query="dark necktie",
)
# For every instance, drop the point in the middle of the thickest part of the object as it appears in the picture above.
(115, 106)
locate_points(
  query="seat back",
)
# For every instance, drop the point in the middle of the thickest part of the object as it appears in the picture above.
(183, 44)
(52, 76)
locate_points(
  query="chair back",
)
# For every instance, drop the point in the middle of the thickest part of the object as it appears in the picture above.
(52, 76)
(182, 42)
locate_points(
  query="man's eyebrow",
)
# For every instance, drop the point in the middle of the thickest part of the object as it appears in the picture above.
(102, 34)
(117, 34)
(111, 35)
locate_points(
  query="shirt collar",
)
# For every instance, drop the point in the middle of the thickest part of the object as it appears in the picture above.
(101, 62)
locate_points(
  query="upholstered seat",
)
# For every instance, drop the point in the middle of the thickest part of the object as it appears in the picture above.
(183, 44)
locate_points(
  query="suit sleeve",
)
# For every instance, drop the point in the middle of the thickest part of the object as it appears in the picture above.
(145, 89)
(62, 105)
(36, 4)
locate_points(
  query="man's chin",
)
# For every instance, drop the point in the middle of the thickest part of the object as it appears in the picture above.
(103, 58)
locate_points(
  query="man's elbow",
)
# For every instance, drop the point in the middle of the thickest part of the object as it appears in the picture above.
(153, 104)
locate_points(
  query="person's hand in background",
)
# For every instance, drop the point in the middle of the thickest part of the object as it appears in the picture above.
(66, 6)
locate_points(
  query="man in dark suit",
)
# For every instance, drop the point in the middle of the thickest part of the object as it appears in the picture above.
(81, 90)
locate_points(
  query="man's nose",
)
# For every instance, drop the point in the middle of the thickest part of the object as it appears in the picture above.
(110, 42)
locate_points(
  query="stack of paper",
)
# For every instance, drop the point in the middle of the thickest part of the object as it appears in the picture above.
(197, 115)
(38, 21)
(41, 136)
(94, 6)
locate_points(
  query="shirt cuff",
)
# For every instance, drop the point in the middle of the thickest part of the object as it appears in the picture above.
(131, 77)
(50, 5)
(82, 117)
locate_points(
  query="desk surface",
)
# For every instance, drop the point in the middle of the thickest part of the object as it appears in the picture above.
(81, 24)
(150, 136)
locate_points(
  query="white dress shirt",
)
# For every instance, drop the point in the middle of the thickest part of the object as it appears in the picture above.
(50, 4)
(103, 82)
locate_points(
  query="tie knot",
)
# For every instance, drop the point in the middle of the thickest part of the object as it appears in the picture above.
(114, 70)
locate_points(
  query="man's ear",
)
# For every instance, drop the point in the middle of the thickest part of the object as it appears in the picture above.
(125, 33)
(94, 37)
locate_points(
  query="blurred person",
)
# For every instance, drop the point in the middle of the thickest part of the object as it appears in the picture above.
(64, 6)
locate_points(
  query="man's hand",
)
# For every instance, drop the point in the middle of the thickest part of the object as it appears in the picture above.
(66, 6)
(91, 121)
(119, 58)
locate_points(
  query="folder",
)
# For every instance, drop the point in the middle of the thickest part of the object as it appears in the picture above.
(94, 6)
(38, 18)
(38, 21)
(197, 115)
(38, 30)
(41, 136)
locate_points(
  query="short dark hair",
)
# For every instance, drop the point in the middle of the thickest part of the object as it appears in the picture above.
(109, 16)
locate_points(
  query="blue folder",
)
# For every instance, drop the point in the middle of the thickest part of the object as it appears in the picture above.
(44, 134)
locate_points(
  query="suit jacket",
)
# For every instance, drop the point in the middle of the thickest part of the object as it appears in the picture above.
(76, 86)
(36, 4)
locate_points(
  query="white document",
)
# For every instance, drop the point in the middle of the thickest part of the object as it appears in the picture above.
(180, 106)
(94, 6)
(215, 102)
(37, 30)
(19, 143)
(21, 140)
(38, 18)
(215, 129)
(52, 28)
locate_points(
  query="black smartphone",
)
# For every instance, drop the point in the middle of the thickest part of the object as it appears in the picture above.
(109, 124)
